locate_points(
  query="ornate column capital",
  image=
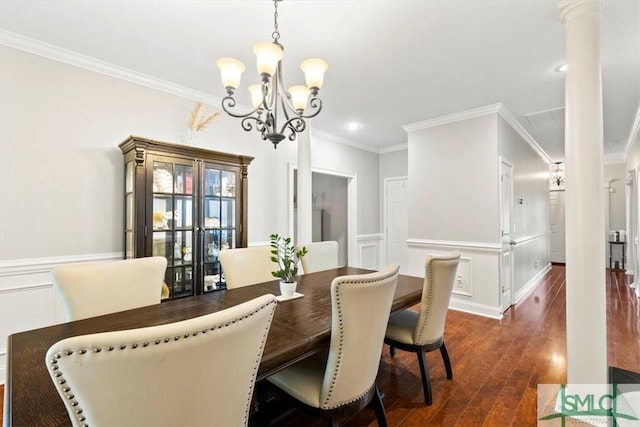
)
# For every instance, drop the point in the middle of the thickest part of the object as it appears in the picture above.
(571, 9)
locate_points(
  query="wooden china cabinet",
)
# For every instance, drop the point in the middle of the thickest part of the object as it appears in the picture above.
(186, 204)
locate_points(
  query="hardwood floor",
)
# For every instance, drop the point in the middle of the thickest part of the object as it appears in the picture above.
(497, 365)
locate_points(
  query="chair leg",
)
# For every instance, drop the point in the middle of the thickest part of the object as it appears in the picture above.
(447, 362)
(378, 407)
(426, 381)
(334, 419)
(392, 350)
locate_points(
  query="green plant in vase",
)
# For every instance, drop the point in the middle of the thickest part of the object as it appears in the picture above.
(286, 256)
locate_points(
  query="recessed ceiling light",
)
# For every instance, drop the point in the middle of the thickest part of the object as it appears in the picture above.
(561, 68)
(353, 126)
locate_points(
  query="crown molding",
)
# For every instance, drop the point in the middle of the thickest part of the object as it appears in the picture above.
(393, 148)
(515, 125)
(455, 117)
(613, 159)
(339, 140)
(36, 47)
(498, 108)
(65, 56)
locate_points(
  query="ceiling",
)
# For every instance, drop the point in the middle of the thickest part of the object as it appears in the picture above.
(391, 63)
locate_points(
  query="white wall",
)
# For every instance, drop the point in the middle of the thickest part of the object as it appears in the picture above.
(453, 176)
(394, 163)
(61, 170)
(61, 174)
(453, 168)
(633, 164)
(453, 204)
(329, 156)
(531, 217)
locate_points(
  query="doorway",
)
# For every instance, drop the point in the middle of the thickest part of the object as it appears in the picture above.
(333, 210)
(396, 221)
(506, 241)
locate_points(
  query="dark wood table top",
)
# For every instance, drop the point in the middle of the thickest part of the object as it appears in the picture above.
(300, 327)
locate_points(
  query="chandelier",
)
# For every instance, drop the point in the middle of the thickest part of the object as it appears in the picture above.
(557, 178)
(276, 114)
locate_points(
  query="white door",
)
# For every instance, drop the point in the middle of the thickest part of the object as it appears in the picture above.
(556, 226)
(506, 202)
(397, 221)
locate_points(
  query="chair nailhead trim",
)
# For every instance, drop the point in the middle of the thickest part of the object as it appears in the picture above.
(68, 352)
(336, 372)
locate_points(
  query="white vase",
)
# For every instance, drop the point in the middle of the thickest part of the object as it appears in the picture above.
(288, 289)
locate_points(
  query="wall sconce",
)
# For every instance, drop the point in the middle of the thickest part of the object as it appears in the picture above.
(557, 177)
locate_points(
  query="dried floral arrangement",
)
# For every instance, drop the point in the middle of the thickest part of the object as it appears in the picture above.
(197, 120)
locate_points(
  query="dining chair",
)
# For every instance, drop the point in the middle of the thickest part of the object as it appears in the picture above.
(195, 372)
(423, 331)
(320, 256)
(97, 288)
(343, 378)
(247, 266)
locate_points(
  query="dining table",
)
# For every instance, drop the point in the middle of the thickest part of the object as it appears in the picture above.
(300, 327)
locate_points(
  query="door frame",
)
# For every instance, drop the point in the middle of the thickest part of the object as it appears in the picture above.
(352, 197)
(385, 246)
(504, 305)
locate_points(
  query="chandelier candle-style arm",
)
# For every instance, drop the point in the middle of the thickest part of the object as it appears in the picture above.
(276, 114)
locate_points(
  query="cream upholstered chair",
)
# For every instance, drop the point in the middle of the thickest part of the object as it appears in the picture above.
(97, 288)
(346, 374)
(423, 331)
(320, 256)
(247, 266)
(195, 372)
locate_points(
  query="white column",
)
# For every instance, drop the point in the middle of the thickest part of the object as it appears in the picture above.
(586, 304)
(304, 199)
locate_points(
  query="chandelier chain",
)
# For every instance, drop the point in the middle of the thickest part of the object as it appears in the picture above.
(276, 31)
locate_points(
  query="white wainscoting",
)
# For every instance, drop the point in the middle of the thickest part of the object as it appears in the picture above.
(28, 299)
(477, 288)
(368, 251)
(530, 263)
(530, 285)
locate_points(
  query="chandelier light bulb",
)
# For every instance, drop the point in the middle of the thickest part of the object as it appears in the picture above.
(299, 97)
(231, 70)
(314, 69)
(256, 95)
(267, 55)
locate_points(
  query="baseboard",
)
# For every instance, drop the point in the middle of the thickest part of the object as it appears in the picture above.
(475, 308)
(531, 284)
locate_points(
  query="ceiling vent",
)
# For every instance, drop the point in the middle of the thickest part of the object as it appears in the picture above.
(546, 117)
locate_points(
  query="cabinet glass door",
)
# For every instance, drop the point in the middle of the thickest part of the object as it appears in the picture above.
(173, 215)
(219, 210)
(129, 206)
